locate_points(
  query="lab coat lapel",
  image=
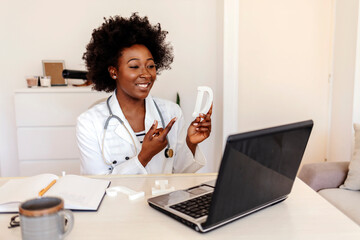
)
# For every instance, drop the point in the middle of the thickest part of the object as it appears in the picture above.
(120, 129)
(151, 114)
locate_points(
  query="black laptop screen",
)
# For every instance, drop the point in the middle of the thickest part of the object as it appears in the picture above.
(257, 168)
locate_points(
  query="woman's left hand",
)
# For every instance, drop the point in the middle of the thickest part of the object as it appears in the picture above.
(199, 130)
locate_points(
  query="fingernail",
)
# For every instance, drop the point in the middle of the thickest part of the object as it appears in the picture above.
(154, 122)
(195, 124)
(197, 129)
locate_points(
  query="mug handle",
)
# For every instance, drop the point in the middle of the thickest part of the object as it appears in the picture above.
(66, 228)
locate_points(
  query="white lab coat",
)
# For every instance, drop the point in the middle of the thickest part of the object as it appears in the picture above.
(118, 145)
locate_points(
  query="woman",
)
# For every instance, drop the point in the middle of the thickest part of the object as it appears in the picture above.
(144, 134)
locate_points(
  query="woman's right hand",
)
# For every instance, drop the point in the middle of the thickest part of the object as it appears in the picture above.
(154, 141)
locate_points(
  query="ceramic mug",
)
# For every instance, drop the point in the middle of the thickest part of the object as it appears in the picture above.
(45, 218)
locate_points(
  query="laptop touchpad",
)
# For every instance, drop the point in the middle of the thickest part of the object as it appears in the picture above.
(181, 195)
(199, 190)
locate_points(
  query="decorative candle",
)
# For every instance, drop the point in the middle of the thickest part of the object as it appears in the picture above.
(31, 81)
(45, 81)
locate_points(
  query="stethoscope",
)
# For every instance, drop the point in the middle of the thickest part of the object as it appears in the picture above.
(168, 151)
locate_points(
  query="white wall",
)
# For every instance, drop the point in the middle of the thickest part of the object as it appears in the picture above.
(231, 68)
(284, 62)
(356, 99)
(37, 30)
(345, 40)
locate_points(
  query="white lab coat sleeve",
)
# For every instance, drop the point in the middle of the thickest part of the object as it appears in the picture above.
(131, 166)
(91, 162)
(185, 161)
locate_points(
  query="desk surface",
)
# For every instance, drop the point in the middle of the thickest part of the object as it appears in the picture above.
(304, 215)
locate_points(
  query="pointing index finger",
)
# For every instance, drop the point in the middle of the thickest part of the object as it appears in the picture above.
(152, 130)
(168, 128)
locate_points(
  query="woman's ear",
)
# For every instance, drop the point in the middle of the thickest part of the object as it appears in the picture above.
(112, 72)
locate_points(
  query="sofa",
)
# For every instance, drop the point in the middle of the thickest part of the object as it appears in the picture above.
(327, 178)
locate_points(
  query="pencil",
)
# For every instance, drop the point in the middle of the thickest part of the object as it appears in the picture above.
(44, 190)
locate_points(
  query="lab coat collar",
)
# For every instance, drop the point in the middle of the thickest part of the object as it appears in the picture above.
(151, 115)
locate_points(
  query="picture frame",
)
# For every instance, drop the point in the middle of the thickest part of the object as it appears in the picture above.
(54, 68)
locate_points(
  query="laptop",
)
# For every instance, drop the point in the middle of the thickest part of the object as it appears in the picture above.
(257, 170)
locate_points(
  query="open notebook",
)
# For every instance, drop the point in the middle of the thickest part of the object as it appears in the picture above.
(79, 193)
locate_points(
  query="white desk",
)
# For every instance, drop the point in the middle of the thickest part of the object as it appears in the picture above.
(304, 215)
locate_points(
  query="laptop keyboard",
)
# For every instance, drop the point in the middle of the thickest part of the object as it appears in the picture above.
(196, 207)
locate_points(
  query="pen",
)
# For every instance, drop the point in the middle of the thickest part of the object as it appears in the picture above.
(44, 190)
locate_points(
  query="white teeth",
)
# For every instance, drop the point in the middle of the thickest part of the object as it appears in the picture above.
(143, 85)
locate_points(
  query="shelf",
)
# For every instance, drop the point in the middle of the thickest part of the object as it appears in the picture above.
(60, 89)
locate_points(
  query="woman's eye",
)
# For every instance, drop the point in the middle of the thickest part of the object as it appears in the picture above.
(151, 66)
(134, 66)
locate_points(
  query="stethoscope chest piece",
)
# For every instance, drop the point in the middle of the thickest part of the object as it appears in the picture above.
(169, 153)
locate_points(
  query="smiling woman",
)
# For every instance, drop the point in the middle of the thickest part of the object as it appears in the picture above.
(135, 61)
(125, 56)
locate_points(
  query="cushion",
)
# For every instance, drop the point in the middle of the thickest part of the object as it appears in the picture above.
(352, 181)
(345, 200)
(324, 174)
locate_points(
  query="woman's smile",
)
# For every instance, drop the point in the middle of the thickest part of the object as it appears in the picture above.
(144, 86)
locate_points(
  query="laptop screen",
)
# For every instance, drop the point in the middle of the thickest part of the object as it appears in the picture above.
(257, 169)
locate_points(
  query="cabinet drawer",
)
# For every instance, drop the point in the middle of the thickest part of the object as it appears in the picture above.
(31, 168)
(47, 143)
(52, 108)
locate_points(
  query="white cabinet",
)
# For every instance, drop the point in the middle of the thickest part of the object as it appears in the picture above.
(46, 120)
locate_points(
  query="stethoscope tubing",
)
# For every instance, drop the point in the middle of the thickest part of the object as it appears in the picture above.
(163, 123)
(111, 116)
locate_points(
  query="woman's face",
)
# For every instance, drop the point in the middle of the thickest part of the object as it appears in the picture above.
(136, 72)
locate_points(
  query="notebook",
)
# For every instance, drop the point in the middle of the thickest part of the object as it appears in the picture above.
(78, 192)
(257, 170)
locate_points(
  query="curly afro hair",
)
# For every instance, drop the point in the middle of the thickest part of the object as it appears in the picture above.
(117, 33)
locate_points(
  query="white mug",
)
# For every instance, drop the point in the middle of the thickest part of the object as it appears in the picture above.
(45, 218)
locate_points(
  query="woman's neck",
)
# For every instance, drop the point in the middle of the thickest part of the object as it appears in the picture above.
(134, 112)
